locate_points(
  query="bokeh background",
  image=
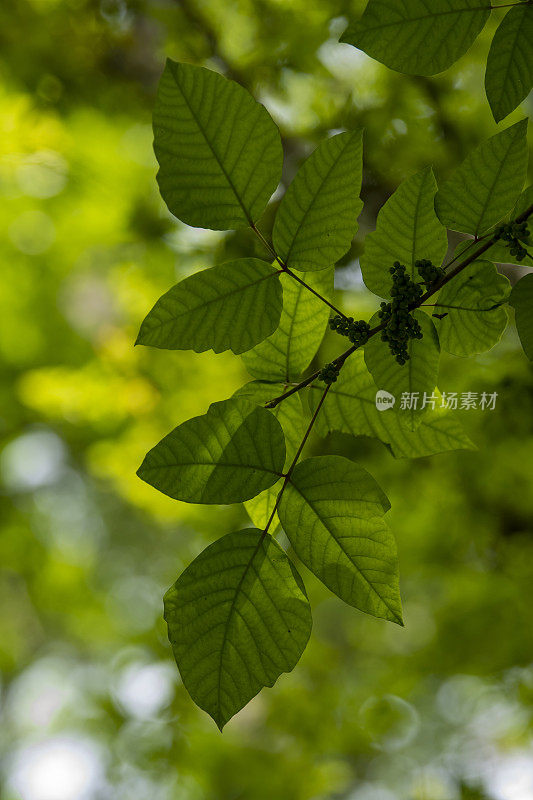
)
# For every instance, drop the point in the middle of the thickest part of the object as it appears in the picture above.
(92, 704)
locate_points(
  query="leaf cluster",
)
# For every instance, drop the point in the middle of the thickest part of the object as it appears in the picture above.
(239, 615)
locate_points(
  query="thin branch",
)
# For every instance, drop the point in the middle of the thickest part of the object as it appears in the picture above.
(339, 361)
(288, 271)
(295, 459)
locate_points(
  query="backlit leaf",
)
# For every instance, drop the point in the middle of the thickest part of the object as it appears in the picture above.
(475, 317)
(509, 75)
(317, 218)
(219, 151)
(417, 377)
(237, 618)
(350, 407)
(291, 348)
(487, 184)
(228, 455)
(407, 230)
(217, 309)
(332, 512)
(418, 37)
(522, 301)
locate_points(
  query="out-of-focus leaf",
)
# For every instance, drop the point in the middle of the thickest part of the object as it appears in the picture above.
(219, 151)
(237, 618)
(418, 37)
(332, 512)
(317, 217)
(407, 230)
(487, 184)
(509, 75)
(475, 317)
(228, 455)
(284, 355)
(217, 309)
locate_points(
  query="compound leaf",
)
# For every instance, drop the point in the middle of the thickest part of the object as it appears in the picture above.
(284, 355)
(407, 230)
(417, 377)
(509, 75)
(522, 301)
(350, 408)
(219, 151)
(292, 420)
(418, 37)
(237, 618)
(473, 303)
(228, 455)
(487, 184)
(317, 217)
(217, 309)
(332, 512)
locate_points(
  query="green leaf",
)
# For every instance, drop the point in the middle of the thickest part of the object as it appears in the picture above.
(332, 512)
(522, 301)
(219, 151)
(499, 252)
(487, 184)
(418, 37)
(509, 75)
(304, 319)
(237, 618)
(317, 218)
(418, 376)
(225, 456)
(293, 422)
(407, 230)
(350, 408)
(217, 309)
(479, 319)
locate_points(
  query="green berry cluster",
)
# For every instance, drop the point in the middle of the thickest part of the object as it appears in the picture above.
(357, 331)
(513, 235)
(429, 273)
(401, 325)
(329, 373)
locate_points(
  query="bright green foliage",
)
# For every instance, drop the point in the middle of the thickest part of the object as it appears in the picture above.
(317, 217)
(237, 618)
(304, 319)
(417, 376)
(332, 512)
(522, 301)
(290, 416)
(509, 75)
(473, 303)
(350, 407)
(217, 309)
(219, 151)
(487, 184)
(499, 252)
(418, 37)
(225, 456)
(407, 230)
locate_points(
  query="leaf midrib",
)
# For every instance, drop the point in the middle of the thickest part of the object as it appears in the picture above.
(210, 145)
(321, 521)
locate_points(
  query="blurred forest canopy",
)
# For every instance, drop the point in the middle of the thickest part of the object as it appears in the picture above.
(92, 704)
